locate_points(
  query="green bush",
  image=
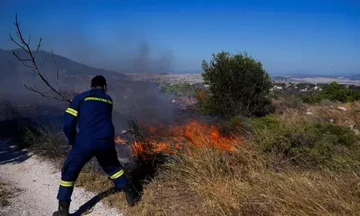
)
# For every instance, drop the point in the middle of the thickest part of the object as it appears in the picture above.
(238, 85)
(179, 89)
(273, 95)
(315, 145)
(333, 92)
(305, 85)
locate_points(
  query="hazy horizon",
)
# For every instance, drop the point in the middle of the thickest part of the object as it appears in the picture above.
(297, 37)
(194, 72)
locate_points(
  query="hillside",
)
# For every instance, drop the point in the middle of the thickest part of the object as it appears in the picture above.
(301, 156)
(15, 73)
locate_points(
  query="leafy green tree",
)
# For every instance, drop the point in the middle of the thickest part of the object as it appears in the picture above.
(238, 85)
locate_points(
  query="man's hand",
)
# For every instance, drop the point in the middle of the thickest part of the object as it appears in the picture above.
(118, 140)
(71, 143)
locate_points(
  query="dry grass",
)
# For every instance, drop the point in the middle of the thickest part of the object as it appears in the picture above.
(349, 118)
(325, 113)
(249, 188)
(166, 195)
(211, 182)
(46, 140)
(6, 193)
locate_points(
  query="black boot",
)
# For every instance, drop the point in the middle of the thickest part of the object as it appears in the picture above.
(132, 196)
(63, 209)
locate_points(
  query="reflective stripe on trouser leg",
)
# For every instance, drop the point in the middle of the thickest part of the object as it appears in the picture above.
(65, 190)
(119, 179)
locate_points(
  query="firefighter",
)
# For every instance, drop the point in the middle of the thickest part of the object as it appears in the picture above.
(92, 110)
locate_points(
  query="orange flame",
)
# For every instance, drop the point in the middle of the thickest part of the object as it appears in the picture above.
(193, 133)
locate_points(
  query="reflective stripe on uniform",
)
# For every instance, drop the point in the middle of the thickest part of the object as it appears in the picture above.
(67, 183)
(72, 111)
(98, 99)
(117, 174)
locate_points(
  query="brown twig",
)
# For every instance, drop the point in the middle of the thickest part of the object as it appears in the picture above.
(25, 46)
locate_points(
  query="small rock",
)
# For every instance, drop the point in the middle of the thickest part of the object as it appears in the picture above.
(356, 131)
(342, 109)
(309, 113)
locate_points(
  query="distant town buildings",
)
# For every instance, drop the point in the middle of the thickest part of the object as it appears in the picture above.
(297, 87)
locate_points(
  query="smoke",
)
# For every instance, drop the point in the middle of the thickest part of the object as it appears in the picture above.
(113, 49)
(143, 62)
(133, 99)
(141, 100)
(136, 57)
(120, 50)
(90, 37)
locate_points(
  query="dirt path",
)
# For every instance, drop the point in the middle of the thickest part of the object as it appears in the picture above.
(36, 183)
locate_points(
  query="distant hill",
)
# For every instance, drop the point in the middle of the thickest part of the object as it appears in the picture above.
(303, 76)
(14, 73)
(354, 77)
(8, 61)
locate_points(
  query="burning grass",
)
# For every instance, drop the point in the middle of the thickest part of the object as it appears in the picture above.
(169, 140)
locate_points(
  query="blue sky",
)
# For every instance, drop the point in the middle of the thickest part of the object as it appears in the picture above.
(299, 36)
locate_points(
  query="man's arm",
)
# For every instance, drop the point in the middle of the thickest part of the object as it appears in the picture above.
(70, 120)
(112, 105)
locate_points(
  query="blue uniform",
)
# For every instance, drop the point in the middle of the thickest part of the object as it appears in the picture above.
(92, 112)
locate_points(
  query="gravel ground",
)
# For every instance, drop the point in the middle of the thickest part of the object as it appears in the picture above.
(36, 183)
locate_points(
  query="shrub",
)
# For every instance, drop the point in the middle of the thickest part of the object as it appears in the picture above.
(45, 140)
(238, 85)
(333, 92)
(293, 102)
(274, 96)
(314, 145)
(179, 89)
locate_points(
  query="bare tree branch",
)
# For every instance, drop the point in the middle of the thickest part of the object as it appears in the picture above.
(25, 46)
(57, 70)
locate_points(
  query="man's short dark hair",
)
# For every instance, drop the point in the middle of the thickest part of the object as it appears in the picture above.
(98, 81)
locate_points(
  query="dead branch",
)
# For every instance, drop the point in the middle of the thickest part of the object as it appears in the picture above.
(30, 62)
